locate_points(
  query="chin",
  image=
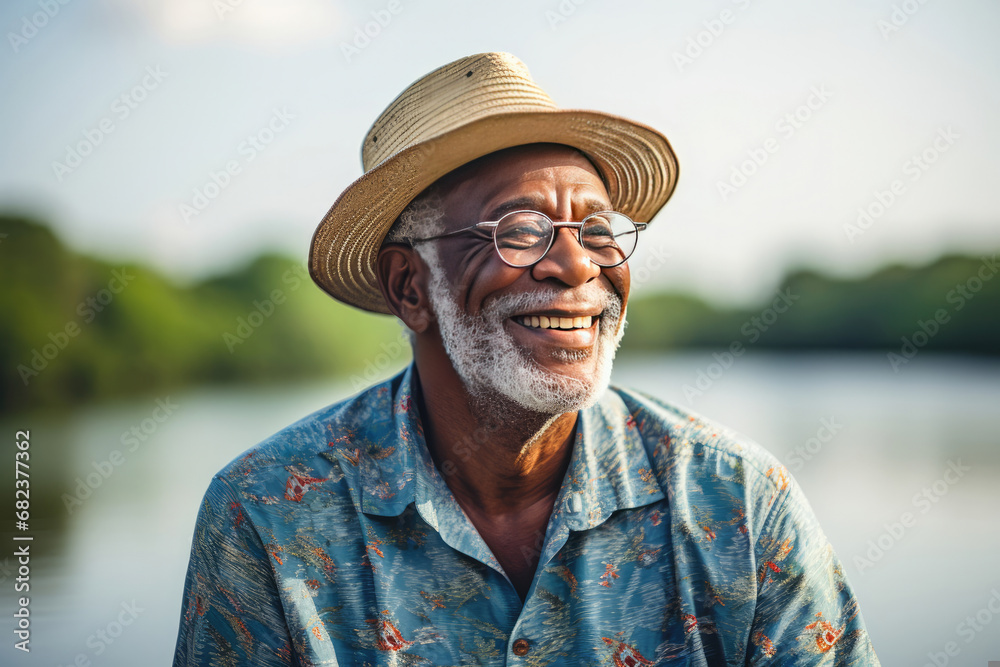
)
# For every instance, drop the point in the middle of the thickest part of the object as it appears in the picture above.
(575, 383)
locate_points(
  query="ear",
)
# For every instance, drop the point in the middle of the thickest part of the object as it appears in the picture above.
(402, 278)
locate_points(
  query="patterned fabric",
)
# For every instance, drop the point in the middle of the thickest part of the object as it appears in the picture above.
(672, 542)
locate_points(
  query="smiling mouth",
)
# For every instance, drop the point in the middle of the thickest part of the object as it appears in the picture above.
(554, 322)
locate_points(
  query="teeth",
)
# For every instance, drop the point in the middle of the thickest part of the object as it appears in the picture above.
(544, 322)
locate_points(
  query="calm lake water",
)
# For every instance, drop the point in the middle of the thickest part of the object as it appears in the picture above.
(871, 448)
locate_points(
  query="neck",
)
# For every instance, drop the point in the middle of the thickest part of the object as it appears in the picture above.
(495, 456)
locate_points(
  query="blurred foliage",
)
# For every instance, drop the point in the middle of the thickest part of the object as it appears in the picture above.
(153, 335)
(951, 305)
(75, 328)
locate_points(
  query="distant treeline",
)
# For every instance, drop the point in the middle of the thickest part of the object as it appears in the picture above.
(951, 305)
(74, 328)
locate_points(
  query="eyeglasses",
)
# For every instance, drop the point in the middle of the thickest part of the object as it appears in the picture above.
(523, 238)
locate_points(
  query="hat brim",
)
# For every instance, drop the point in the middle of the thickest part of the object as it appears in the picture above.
(636, 162)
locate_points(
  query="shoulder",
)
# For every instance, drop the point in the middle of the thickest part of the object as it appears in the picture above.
(681, 438)
(304, 452)
(719, 481)
(706, 469)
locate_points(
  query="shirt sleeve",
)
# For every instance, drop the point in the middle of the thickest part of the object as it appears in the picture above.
(806, 612)
(232, 613)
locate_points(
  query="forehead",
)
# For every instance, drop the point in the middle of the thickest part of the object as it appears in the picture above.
(536, 172)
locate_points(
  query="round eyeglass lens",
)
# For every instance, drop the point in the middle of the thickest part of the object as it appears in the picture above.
(609, 237)
(523, 237)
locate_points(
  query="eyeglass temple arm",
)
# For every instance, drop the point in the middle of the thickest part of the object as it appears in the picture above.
(456, 232)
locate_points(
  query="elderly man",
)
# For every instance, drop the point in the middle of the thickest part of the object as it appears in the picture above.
(496, 503)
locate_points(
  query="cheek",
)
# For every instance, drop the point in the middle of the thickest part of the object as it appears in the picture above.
(482, 278)
(621, 281)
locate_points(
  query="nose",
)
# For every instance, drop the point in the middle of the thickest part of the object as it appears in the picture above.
(566, 261)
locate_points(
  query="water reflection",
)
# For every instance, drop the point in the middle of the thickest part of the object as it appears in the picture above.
(115, 490)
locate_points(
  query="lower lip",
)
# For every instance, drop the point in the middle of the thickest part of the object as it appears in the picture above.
(565, 338)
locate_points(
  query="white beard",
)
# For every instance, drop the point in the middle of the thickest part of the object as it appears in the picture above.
(489, 361)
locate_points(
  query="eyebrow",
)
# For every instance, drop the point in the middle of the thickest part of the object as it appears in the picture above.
(534, 203)
(595, 205)
(519, 204)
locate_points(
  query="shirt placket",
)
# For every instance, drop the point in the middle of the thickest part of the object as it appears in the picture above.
(568, 510)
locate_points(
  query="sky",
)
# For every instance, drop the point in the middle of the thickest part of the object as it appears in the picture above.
(838, 136)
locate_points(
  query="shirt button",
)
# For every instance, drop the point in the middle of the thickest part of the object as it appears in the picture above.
(521, 647)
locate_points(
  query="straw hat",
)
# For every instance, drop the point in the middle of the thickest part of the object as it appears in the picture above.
(467, 109)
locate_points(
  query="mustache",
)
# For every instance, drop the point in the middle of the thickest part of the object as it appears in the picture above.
(586, 296)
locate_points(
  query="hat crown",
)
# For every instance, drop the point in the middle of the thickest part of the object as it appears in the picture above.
(467, 90)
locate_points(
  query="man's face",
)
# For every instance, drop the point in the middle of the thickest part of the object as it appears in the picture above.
(490, 314)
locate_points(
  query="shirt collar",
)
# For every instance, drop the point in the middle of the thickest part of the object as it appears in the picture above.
(379, 441)
(609, 469)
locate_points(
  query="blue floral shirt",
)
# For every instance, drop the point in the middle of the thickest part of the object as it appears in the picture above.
(672, 542)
